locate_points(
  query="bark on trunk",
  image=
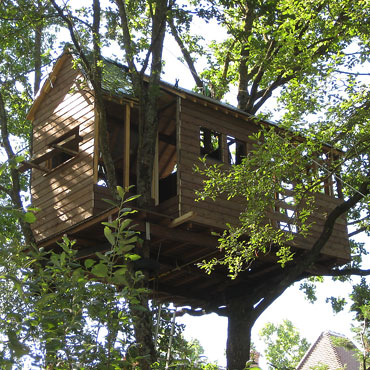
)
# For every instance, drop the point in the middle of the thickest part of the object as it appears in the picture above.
(141, 315)
(238, 334)
(15, 191)
(37, 58)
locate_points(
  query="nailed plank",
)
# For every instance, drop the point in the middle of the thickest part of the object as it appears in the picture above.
(181, 219)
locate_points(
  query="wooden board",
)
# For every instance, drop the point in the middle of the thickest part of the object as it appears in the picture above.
(65, 195)
(217, 214)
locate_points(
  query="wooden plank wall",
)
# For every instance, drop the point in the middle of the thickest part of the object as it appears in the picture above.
(217, 214)
(65, 195)
(194, 116)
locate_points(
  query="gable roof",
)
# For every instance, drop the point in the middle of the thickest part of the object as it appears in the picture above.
(325, 352)
(116, 83)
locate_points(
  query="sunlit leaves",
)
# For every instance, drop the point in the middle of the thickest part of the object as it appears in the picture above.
(56, 307)
(285, 346)
(263, 183)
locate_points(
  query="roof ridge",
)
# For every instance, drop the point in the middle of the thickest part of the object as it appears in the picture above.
(330, 334)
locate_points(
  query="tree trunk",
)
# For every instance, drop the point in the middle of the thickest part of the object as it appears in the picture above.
(37, 58)
(142, 317)
(238, 334)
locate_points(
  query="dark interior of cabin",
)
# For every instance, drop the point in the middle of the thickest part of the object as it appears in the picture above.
(166, 151)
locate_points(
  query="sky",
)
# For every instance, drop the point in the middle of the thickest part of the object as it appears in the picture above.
(310, 319)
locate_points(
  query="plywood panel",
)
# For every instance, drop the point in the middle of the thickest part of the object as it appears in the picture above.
(53, 98)
(54, 228)
(80, 116)
(65, 102)
(65, 195)
(70, 170)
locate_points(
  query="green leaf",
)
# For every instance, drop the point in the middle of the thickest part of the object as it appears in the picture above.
(109, 235)
(89, 263)
(124, 224)
(124, 248)
(121, 192)
(29, 217)
(3, 167)
(46, 298)
(17, 284)
(121, 271)
(62, 258)
(19, 158)
(130, 199)
(133, 257)
(100, 270)
(110, 201)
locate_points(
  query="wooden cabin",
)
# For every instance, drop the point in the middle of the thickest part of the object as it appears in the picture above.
(68, 183)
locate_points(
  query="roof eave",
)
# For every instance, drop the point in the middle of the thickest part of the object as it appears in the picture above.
(48, 84)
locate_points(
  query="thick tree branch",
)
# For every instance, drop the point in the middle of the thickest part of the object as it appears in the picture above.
(67, 20)
(14, 174)
(37, 59)
(94, 72)
(274, 288)
(356, 222)
(344, 272)
(185, 53)
(127, 41)
(244, 57)
(358, 231)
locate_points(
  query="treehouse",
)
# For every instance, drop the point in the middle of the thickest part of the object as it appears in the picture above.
(68, 182)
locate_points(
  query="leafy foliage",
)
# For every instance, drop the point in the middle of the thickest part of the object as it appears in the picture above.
(285, 347)
(263, 182)
(308, 52)
(63, 312)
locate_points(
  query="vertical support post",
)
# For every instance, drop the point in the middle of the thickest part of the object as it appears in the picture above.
(170, 341)
(155, 178)
(178, 152)
(126, 150)
(157, 327)
(96, 147)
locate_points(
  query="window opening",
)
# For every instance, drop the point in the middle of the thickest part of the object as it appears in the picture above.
(102, 173)
(66, 147)
(285, 206)
(210, 143)
(167, 166)
(236, 150)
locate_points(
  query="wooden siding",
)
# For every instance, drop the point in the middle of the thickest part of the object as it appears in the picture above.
(217, 214)
(65, 195)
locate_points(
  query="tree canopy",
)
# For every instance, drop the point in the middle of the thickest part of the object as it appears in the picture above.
(310, 57)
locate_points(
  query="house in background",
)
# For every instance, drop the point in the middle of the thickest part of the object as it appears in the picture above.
(327, 353)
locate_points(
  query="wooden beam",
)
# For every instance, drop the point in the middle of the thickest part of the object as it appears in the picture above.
(178, 153)
(155, 178)
(26, 165)
(72, 230)
(68, 136)
(47, 85)
(181, 219)
(96, 148)
(126, 153)
(64, 150)
(183, 236)
(167, 139)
